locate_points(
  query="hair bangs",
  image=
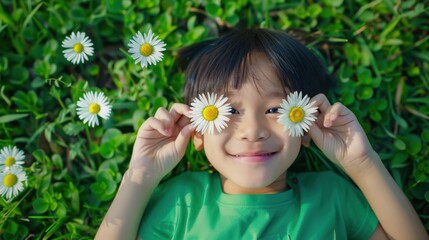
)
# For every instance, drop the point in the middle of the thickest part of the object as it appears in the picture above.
(218, 67)
(225, 63)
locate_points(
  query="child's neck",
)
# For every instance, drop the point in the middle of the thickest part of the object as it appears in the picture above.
(279, 185)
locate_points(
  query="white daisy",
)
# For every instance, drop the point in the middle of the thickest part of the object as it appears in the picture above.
(146, 49)
(92, 105)
(78, 47)
(209, 112)
(10, 157)
(296, 114)
(12, 182)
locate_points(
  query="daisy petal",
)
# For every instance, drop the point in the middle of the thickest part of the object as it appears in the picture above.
(92, 105)
(296, 114)
(152, 49)
(209, 113)
(77, 47)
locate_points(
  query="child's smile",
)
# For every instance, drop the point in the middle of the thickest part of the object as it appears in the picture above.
(254, 157)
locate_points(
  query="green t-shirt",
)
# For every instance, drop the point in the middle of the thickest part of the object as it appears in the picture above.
(319, 205)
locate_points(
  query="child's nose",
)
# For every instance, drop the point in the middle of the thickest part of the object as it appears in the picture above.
(252, 128)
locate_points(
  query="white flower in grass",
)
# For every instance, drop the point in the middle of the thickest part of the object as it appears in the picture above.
(92, 105)
(10, 157)
(296, 114)
(208, 112)
(78, 47)
(12, 182)
(146, 49)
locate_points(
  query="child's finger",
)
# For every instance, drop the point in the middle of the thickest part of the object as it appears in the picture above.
(338, 114)
(178, 110)
(322, 102)
(316, 134)
(151, 124)
(165, 116)
(180, 115)
(183, 138)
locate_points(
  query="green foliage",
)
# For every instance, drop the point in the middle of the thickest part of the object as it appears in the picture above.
(379, 51)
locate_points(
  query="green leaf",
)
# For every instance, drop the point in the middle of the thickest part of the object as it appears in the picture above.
(73, 129)
(425, 135)
(3, 64)
(400, 121)
(12, 117)
(79, 13)
(399, 144)
(365, 93)
(381, 104)
(57, 161)
(413, 142)
(40, 205)
(12, 227)
(364, 75)
(42, 68)
(105, 186)
(112, 135)
(314, 10)
(233, 19)
(376, 116)
(353, 53)
(19, 75)
(195, 33)
(333, 3)
(213, 10)
(392, 24)
(399, 158)
(107, 150)
(160, 102)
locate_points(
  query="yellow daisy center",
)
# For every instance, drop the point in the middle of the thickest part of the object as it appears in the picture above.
(146, 49)
(94, 108)
(78, 48)
(9, 161)
(296, 114)
(10, 180)
(210, 113)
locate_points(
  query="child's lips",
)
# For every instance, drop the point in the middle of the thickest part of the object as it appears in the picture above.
(256, 157)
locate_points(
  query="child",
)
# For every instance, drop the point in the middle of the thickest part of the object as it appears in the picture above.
(253, 196)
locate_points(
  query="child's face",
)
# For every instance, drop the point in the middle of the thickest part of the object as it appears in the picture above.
(254, 151)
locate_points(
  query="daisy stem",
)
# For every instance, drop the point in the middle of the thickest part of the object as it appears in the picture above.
(58, 80)
(90, 160)
(63, 106)
(88, 134)
(124, 52)
(11, 209)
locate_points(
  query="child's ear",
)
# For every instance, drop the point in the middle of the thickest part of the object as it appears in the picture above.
(305, 140)
(198, 141)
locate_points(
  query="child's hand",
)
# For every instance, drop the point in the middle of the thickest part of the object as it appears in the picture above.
(161, 141)
(339, 135)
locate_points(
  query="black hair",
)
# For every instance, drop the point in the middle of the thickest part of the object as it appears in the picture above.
(218, 64)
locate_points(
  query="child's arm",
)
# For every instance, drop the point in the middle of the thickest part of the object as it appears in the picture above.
(160, 144)
(340, 136)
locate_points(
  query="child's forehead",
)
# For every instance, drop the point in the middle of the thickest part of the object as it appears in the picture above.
(259, 88)
(260, 72)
